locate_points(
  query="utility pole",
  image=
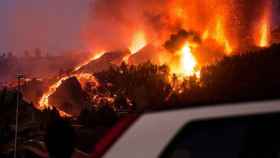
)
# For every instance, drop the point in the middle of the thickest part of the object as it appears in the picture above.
(19, 77)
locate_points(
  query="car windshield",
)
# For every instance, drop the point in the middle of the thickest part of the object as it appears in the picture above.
(71, 72)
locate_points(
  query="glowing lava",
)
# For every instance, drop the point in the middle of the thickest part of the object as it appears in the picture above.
(138, 42)
(44, 101)
(94, 57)
(82, 77)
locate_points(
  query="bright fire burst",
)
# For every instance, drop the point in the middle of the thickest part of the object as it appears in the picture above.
(264, 34)
(221, 37)
(187, 62)
(138, 42)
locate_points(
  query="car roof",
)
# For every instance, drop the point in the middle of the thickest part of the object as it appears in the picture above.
(149, 135)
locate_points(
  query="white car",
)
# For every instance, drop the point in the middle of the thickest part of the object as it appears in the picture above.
(224, 131)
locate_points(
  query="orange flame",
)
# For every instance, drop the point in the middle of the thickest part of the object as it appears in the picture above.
(220, 36)
(138, 42)
(187, 63)
(264, 33)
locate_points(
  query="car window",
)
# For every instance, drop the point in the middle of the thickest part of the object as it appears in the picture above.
(246, 137)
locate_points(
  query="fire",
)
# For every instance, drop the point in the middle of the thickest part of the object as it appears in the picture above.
(86, 78)
(125, 58)
(82, 77)
(187, 62)
(218, 33)
(94, 57)
(44, 101)
(220, 36)
(264, 33)
(138, 42)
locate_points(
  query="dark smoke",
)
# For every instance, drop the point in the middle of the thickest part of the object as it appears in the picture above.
(177, 40)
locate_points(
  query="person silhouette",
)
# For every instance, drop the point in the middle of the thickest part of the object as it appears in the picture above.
(60, 138)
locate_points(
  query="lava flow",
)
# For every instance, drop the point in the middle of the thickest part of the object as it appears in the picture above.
(82, 77)
(94, 57)
(186, 37)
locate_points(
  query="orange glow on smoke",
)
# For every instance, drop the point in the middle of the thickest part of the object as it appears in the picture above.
(138, 42)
